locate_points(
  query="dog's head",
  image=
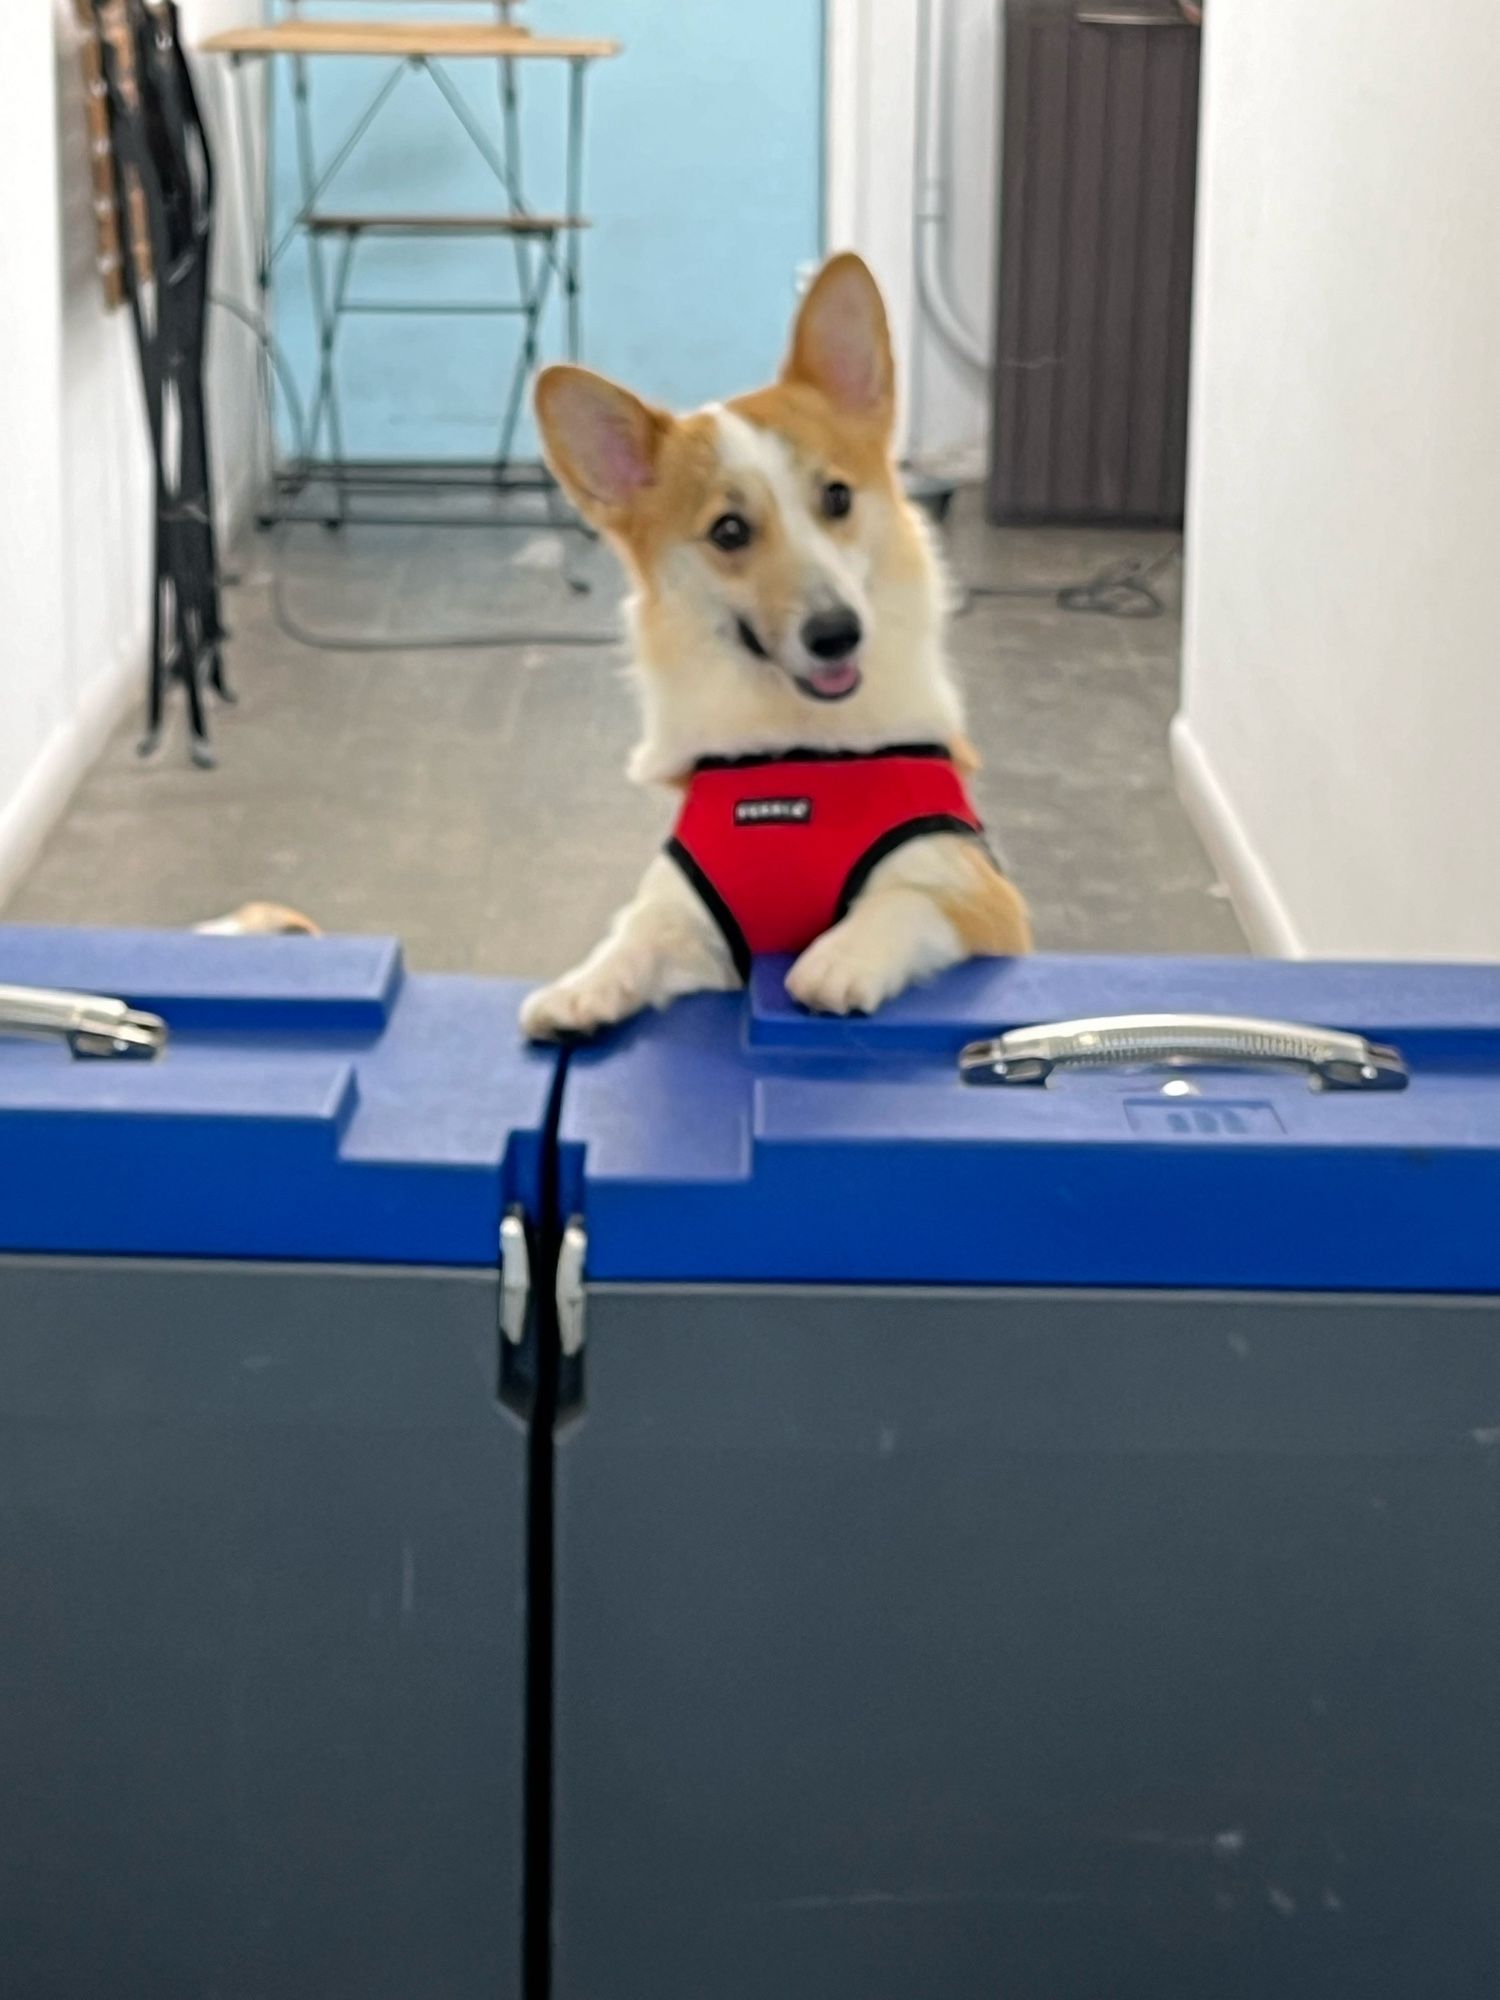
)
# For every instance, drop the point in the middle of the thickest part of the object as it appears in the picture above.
(770, 530)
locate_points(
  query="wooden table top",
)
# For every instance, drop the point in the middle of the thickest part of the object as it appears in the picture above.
(352, 223)
(404, 38)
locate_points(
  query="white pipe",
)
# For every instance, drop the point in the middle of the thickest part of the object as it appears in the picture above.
(949, 46)
(930, 216)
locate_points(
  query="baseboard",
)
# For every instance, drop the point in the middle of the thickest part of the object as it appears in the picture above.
(65, 759)
(1263, 915)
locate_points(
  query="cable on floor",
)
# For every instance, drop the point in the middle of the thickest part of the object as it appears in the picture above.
(374, 642)
(1121, 590)
(421, 642)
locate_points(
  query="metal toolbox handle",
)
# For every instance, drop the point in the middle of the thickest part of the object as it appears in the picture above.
(91, 1025)
(1334, 1060)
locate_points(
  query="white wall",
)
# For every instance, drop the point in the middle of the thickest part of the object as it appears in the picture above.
(75, 545)
(34, 696)
(872, 194)
(1339, 741)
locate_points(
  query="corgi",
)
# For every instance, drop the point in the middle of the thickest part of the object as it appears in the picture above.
(787, 623)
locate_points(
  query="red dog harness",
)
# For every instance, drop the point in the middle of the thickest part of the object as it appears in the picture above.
(779, 847)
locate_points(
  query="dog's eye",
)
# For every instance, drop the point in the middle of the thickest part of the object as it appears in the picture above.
(837, 500)
(730, 532)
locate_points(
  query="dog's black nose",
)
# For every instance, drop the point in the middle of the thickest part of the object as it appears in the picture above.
(832, 635)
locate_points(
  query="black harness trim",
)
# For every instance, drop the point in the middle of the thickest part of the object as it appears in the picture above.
(717, 908)
(756, 758)
(898, 836)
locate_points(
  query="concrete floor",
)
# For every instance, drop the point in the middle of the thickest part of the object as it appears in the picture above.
(444, 796)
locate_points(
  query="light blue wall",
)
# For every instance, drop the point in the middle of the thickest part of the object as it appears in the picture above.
(702, 176)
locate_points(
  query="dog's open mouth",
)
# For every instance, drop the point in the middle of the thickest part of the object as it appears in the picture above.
(833, 682)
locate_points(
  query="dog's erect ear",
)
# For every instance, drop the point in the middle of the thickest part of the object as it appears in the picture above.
(841, 343)
(602, 442)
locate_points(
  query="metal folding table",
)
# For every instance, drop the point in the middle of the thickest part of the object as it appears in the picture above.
(546, 244)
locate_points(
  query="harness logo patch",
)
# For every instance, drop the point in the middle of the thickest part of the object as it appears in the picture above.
(772, 812)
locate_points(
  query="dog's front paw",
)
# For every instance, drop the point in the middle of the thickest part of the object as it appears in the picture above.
(840, 973)
(580, 1004)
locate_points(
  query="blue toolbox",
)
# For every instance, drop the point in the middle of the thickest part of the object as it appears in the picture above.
(998, 1500)
(263, 1514)
(1030, 1525)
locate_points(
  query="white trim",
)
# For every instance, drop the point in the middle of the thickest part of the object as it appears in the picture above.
(842, 108)
(47, 789)
(1267, 921)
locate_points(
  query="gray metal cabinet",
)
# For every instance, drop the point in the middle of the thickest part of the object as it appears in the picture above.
(262, 1668)
(264, 1516)
(1029, 1643)
(1040, 1540)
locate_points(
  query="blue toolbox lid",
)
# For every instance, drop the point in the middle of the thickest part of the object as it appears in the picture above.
(739, 1139)
(313, 1101)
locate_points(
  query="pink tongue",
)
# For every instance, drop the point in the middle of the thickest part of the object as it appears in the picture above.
(836, 679)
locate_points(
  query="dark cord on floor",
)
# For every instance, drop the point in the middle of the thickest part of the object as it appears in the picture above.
(1122, 590)
(425, 642)
(375, 642)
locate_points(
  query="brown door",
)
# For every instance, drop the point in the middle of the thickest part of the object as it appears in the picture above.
(1096, 261)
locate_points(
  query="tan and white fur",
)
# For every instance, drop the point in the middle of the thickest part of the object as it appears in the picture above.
(721, 647)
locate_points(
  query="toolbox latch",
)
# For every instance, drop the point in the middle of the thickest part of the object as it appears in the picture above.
(515, 1277)
(572, 1258)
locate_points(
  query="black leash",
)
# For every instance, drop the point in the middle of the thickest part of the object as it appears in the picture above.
(163, 165)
